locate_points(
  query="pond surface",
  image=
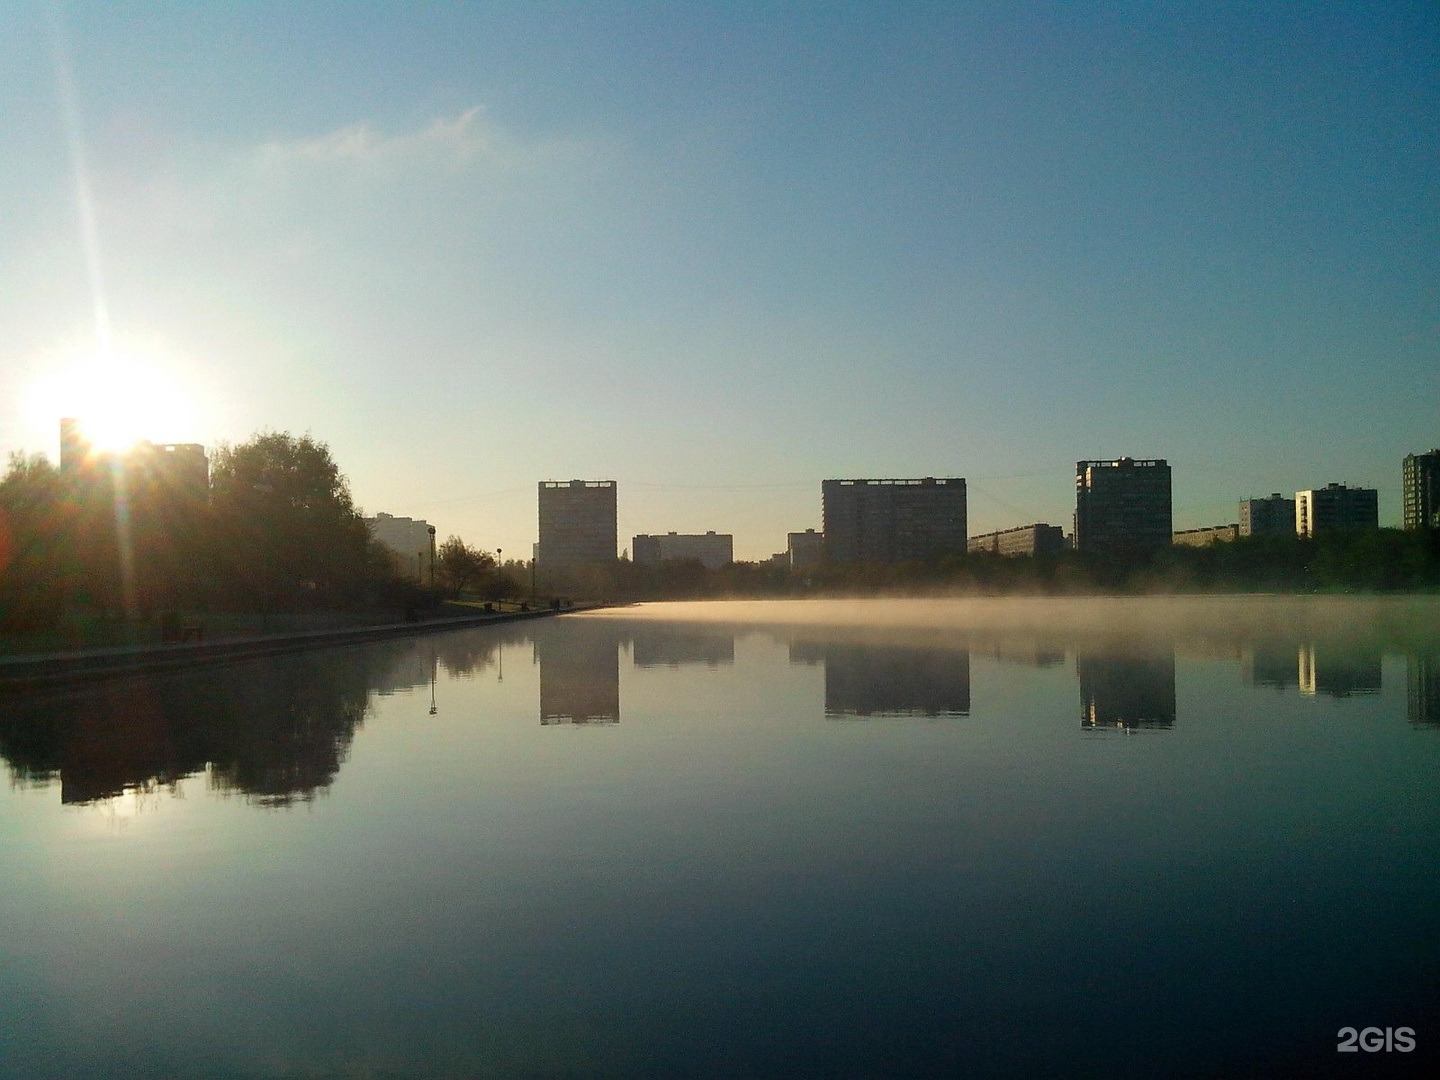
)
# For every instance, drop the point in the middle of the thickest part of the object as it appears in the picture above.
(1011, 839)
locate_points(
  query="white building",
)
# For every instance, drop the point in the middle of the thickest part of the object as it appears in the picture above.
(411, 541)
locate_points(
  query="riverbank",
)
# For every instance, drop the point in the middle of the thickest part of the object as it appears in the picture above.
(25, 671)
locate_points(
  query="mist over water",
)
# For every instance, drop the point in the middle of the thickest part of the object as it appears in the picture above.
(1399, 620)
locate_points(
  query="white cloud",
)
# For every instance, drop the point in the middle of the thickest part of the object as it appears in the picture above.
(469, 139)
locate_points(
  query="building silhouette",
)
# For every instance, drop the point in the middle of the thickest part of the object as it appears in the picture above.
(1336, 507)
(1269, 516)
(175, 470)
(887, 521)
(1037, 539)
(1273, 515)
(1122, 505)
(804, 549)
(410, 541)
(1129, 689)
(182, 469)
(1420, 482)
(711, 550)
(577, 523)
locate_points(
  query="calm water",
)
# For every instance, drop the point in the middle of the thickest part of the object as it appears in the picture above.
(789, 839)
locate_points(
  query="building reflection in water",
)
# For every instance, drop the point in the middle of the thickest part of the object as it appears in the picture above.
(1122, 690)
(895, 680)
(664, 646)
(579, 671)
(1338, 671)
(1422, 678)
(1027, 650)
(1270, 665)
(806, 652)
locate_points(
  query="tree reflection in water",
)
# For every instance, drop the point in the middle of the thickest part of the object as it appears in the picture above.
(275, 731)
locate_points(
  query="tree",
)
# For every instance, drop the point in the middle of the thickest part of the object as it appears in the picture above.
(36, 536)
(287, 531)
(458, 565)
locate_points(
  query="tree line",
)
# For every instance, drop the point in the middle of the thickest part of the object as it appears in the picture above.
(1374, 560)
(275, 529)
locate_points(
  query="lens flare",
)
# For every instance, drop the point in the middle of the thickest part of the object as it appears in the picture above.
(118, 400)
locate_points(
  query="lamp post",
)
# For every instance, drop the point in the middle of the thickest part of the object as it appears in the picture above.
(499, 578)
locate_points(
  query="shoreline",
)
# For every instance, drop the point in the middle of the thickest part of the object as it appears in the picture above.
(36, 670)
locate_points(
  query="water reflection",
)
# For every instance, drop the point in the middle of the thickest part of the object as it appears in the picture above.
(1337, 671)
(1270, 665)
(579, 664)
(1422, 679)
(440, 913)
(863, 679)
(1127, 687)
(1026, 650)
(275, 731)
(667, 646)
(868, 675)
(278, 731)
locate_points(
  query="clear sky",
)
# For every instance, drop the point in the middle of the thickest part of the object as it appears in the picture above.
(720, 252)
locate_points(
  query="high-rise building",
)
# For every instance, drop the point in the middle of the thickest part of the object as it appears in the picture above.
(411, 542)
(711, 550)
(804, 549)
(577, 523)
(171, 470)
(177, 469)
(885, 521)
(1273, 515)
(1420, 479)
(1336, 507)
(1038, 539)
(1122, 505)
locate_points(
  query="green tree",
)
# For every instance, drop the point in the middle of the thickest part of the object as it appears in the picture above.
(287, 533)
(459, 566)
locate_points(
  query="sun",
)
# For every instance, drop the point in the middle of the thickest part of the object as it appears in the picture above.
(119, 400)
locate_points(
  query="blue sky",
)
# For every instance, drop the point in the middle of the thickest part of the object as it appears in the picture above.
(720, 252)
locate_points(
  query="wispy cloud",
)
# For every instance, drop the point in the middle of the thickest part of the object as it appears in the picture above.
(469, 139)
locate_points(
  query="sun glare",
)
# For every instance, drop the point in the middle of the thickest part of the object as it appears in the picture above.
(119, 401)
